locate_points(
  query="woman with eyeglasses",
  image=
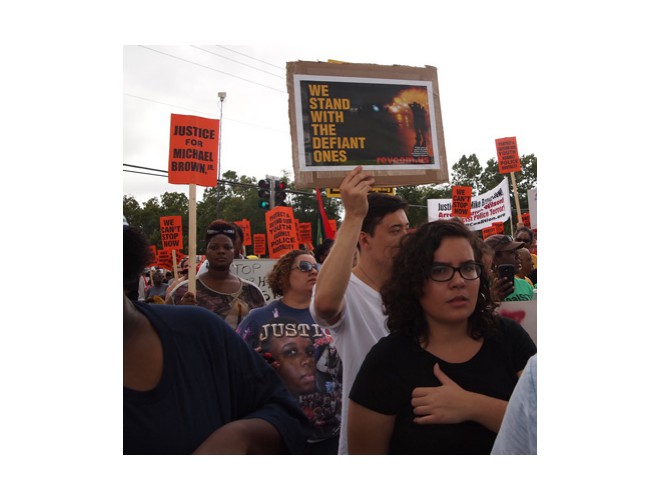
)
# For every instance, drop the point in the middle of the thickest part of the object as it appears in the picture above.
(440, 382)
(301, 351)
(218, 289)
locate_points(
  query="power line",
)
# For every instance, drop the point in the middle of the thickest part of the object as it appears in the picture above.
(207, 114)
(245, 55)
(212, 69)
(238, 62)
(232, 183)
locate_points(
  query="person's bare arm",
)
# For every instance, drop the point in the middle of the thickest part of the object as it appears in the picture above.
(451, 404)
(369, 432)
(336, 270)
(253, 436)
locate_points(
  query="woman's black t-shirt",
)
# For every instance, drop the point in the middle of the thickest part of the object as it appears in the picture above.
(397, 365)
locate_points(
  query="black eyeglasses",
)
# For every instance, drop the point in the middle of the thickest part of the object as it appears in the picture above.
(306, 266)
(445, 272)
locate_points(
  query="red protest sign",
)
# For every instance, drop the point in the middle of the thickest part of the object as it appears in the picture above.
(461, 201)
(154, 256)
(193, 150)
(171, 232)
(333, 226)
(488, 231)
(526, 219)
(164, 259)
(259, 244)
(305, 232)
(507, 155)
(281, 231)
(247, 231)
(499, 227)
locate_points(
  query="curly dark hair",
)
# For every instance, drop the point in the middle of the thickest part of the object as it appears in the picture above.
(410, 271)
(278, 278)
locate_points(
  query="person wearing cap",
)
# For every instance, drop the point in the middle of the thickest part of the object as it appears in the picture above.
(218, 289)
(505, 252)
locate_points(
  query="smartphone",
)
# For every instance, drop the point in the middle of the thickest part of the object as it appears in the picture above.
(506, 271)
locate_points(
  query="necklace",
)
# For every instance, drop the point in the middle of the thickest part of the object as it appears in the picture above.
(375, 286)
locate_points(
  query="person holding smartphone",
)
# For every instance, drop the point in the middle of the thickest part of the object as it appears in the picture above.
(506, 263)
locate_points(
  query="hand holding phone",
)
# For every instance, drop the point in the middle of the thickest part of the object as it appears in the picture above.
(506, 271)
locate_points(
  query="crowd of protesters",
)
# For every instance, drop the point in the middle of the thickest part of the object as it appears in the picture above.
(385, 340)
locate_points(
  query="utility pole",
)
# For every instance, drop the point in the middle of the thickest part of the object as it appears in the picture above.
(221, 96)
(271, 181)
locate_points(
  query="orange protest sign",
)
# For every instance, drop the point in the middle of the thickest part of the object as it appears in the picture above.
(154, 256)
(193, 150)
(488, 231)
(171, 232)
(281, 231)
(499, 226)
(507, 155)
(259, 244)
(526, 219)
(164, 259)
(461, 201)
(247, 231)
(305, 232)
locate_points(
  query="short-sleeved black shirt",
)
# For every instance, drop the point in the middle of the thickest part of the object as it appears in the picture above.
(397, 365)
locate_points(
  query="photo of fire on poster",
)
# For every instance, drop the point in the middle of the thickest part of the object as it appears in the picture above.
(391, 126)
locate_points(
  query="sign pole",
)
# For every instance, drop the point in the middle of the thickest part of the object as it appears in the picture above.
(174, 265)
(192, 238)
(515, 195)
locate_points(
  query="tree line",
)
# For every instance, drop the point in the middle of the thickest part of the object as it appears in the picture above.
(237, 199)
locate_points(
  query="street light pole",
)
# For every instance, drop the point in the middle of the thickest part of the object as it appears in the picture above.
(221, 96)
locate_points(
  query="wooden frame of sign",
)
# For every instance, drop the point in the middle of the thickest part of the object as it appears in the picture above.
(385, 118)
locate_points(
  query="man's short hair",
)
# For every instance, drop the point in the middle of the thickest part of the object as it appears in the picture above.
(380, 204)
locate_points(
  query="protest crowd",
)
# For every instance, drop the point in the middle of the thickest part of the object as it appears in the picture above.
(385, 339)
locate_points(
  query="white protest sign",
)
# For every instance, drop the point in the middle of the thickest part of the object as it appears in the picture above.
(254, 271)
(492, 206)
(531, 198)
(522, 312)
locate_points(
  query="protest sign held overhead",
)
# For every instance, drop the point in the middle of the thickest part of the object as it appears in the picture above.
(486, 209)
(385, 118)
(507, 155)
(259, 244)
(193, 150)
(461, 201)
(247, 230)
(281, 230)
(171, 232)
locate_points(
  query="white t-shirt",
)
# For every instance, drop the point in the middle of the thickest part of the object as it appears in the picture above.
(360, 326)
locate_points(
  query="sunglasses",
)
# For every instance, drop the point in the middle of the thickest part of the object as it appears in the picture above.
(523, 240)
(306, 266)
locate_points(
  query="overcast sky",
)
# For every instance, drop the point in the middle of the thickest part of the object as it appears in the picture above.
(477, 103)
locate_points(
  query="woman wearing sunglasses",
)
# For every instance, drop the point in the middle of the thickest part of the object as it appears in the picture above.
(440, 382)
(300, 351)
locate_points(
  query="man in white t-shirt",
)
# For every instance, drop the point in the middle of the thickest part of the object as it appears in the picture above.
(347, 300)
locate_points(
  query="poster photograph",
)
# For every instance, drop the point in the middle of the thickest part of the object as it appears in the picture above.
(384, 118)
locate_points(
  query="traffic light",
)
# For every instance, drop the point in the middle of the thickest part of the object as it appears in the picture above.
(280, 194)
(264, 194)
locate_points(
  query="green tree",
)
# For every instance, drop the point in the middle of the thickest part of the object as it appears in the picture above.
(417, 197)
(467, 172)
